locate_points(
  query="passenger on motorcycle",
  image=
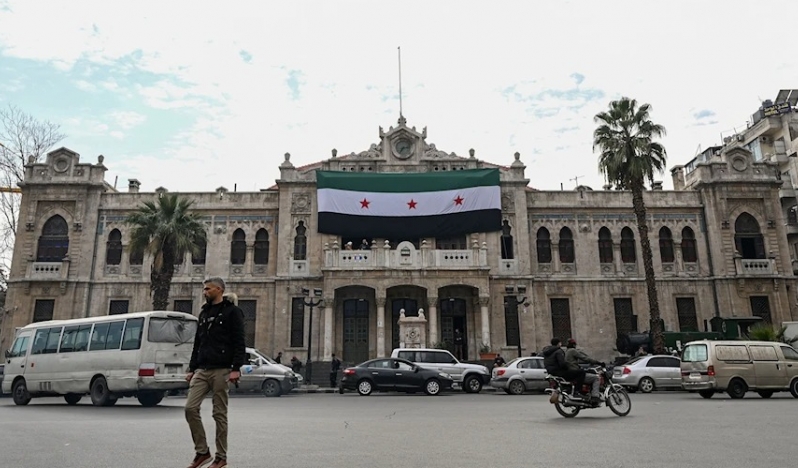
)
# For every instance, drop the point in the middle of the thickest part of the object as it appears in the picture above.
(573, 357)
(555, 363)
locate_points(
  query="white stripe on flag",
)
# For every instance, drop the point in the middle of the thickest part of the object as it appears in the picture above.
(409, 204)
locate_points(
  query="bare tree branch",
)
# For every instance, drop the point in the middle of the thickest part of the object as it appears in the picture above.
(22, 137)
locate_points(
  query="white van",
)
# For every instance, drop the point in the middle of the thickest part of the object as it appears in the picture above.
(140, 354)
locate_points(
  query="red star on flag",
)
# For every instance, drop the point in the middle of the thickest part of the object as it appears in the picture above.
(412, 204)
(364, 204)
(458, 200)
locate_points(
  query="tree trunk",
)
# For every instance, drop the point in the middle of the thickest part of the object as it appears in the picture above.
(161, 279)
(656, 324)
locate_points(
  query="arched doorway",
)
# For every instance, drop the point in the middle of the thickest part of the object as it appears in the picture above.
(407, 297)
(748, 238)
(355, 306)
(456, 310)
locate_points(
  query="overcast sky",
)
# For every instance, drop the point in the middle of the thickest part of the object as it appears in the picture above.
(195, 95)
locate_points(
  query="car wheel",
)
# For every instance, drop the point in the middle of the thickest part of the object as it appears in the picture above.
(517, 387)
(706, 394)
(364, 387)
(794, 388)
(737, 389)
(100, 394)
(20, 393)
(472, 384)
(271, 388)
(72, 399)
(433, 387)
(765, 393)
(149, 399)
(646, 385)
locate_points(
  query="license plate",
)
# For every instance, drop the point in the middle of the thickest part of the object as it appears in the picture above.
(173, 369)
(695, 375)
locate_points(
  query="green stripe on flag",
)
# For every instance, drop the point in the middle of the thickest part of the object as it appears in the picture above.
(407, 183)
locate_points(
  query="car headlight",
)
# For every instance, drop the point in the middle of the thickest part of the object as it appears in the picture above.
(288, 374)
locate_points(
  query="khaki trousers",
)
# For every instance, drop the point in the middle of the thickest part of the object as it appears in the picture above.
(206, 381)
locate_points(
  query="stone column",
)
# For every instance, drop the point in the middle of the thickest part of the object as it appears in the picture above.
(616, 257)
(678, 261)
(249, 260)
(555, 256)
(485, 318)
(329, 302)
(381, 326)
(433, 321)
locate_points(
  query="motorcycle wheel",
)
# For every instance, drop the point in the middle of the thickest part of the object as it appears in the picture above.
(566, 411)
(618, 401)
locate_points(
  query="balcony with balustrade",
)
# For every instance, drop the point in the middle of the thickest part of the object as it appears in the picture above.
(755, 267)
(48, 271)
(405, 256)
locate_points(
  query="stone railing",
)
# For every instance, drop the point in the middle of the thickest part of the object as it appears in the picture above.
(746, 266)
(404, 256)
(48, 270)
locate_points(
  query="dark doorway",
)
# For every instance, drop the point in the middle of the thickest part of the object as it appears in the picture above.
(356, 330)
(453, 317)
(760, 307)
(411, 310)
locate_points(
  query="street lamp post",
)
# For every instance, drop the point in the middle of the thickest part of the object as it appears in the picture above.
(516, 296)
(316, 292)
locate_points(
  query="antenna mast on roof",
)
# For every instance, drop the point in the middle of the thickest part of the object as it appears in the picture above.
(400, 82)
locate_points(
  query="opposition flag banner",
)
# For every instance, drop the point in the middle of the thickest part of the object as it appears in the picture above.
(409, 206)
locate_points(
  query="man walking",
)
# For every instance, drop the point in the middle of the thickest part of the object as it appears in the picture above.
(335, 366)
(219, 352)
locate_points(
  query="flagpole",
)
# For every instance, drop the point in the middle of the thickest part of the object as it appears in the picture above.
(400, 81)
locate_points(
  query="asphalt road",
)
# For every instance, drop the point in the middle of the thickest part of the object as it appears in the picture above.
(388, 430)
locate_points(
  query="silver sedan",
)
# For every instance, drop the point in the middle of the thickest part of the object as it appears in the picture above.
(520, 375)
(647, 373)
(264, 375)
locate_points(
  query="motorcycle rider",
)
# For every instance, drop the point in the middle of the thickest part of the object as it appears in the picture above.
(573, 357)
(555, 363)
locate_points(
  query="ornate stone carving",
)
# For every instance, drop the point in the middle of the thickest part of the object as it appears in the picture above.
(484, 301)
(508, 204)
(431, 152)
(300, 202)
(374, 151)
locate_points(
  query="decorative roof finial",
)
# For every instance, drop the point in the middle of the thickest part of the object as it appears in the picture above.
(334, 152)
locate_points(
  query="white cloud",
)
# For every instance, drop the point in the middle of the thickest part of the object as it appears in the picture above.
(127, 119)
(458, 59)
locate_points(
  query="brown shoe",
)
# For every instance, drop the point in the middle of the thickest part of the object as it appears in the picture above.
(219, 463)
(200, 460)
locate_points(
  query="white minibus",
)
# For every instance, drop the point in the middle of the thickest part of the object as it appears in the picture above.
(143, 354)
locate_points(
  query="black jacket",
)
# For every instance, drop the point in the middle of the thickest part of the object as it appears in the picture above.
(554, 359)
(219, 343)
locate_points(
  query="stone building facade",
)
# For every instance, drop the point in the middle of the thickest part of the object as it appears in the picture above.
(720, 248)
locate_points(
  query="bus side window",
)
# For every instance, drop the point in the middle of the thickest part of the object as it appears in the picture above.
(20, 347)
(40, 341)
(98, 337)
(114, 335)
(82, 339)
(132, 337)
(68, 340)
(52, 340)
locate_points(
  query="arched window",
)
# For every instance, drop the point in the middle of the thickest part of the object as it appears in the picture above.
(113, 248)
(301, 242)
(628, 253)
(665, 245)
(566, 246)
(451, 243)
(261, 247)
(544, 245)
(689, 251)
(54, 241)
(748, 238)
(202, 251)
(136, 256)
(507, 240)
(605, 245)
(238, 248)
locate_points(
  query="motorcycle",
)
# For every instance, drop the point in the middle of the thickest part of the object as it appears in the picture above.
(569, 403)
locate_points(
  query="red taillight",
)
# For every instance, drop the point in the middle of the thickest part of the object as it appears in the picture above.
(626, 370)
(349, 372)
(147, 370)
(711, 371)
(499, 372)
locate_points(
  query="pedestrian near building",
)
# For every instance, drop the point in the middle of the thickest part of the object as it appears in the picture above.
(219, 352)
(279, 358)
(458, 344)
(335, 366)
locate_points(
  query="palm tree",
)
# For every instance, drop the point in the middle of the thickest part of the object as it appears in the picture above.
(628, 158)
(166, 229)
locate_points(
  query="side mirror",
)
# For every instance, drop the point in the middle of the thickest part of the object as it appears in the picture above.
(416, 369)
(8, 353)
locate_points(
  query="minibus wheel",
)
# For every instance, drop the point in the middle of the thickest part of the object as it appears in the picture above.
(20, 393)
